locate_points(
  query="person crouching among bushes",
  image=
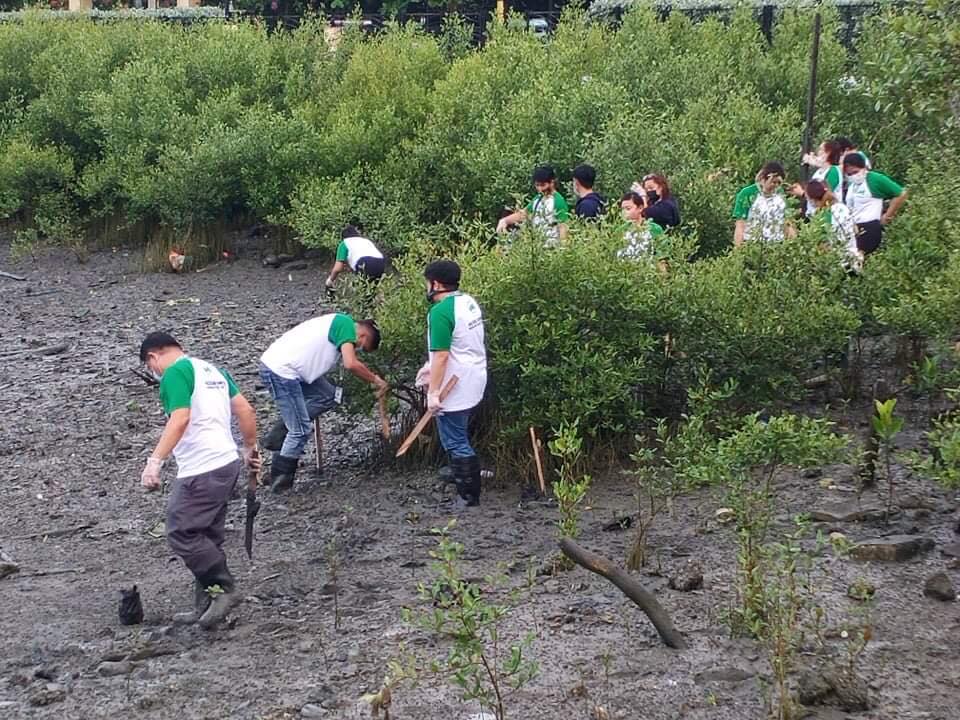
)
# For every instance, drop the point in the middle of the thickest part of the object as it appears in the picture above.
(455, 341)
(356, 253)
(548, 211)
(760, 209)
(837, 217)
(866, 191)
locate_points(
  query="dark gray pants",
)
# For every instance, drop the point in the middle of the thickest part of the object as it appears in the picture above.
(196, 513)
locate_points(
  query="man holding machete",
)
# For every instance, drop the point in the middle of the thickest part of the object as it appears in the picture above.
(455, 343)
(199, 401)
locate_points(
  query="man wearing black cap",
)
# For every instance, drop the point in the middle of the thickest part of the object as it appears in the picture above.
(548, 211)
(293, 370)
(199, 401)
(455, 342)
(590, 205)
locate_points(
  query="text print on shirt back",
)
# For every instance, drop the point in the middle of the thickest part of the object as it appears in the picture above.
(216, 381)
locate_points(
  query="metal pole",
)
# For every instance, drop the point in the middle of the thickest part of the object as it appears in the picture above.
(811, 93)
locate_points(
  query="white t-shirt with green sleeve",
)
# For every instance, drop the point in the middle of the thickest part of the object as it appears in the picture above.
(207, 444)
(765, 215)
(865, 197)
(546, 212)
(351, 249)
(455, 324)
(311, 349)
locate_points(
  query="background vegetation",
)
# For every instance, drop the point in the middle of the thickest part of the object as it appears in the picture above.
(424, 140)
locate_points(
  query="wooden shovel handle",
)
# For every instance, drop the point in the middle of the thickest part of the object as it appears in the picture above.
(422, 423)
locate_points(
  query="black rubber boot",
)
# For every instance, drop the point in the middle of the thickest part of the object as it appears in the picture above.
(466, 473)
(201, 601)
(274, 439)
(222, 591)
(282, 472)
(445, 473)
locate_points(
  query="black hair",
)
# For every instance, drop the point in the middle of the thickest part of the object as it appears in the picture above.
(772, 168)
(374, 329)
(855, 160)
(157, 341)
(585, 175)
(349, 231)
(845, 143)
(634, 197)
(544, 174)
(445, 272)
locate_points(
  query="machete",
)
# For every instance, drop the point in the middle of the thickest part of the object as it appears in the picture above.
(253, 505)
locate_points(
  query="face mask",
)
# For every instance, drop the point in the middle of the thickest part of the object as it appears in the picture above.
(431, 294)
(855, 178)
(653, 196)
(152, 373)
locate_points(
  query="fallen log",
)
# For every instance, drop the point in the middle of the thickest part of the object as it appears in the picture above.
(643, 598)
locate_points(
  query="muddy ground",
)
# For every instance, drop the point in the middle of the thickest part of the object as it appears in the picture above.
(76, 425)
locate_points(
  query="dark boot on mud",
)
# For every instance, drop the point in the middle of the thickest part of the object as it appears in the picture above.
(224, 596)
(201, 601)
(282, 472)
(466, 472)
(274, 439)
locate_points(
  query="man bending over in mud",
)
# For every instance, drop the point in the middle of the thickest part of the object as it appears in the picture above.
(293, 370)
(199, 401)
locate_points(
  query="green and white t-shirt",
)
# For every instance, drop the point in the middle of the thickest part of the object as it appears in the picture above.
(831, 176)
(647, 240)
(865, 197)
(311, 349)
(546, 212)
(765, 215)
(840, 221)
(352, 249)
(207, 443)
(455, 324)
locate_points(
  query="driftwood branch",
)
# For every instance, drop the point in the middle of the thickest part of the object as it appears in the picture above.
(11, 276)
(630, 587)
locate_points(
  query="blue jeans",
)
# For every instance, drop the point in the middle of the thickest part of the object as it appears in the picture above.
(454, 437)
(298, 403)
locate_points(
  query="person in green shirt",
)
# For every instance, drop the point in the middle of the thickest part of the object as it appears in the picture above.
(760, 209)
(644, 237)
(200, 401)
(455, 347)
(548, 211)
(866, 191)
(356, 254)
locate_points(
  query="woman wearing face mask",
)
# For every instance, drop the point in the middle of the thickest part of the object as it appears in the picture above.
(827, 164)
(839, 219)
(866, 191)
(661, 206)
(761, 210)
